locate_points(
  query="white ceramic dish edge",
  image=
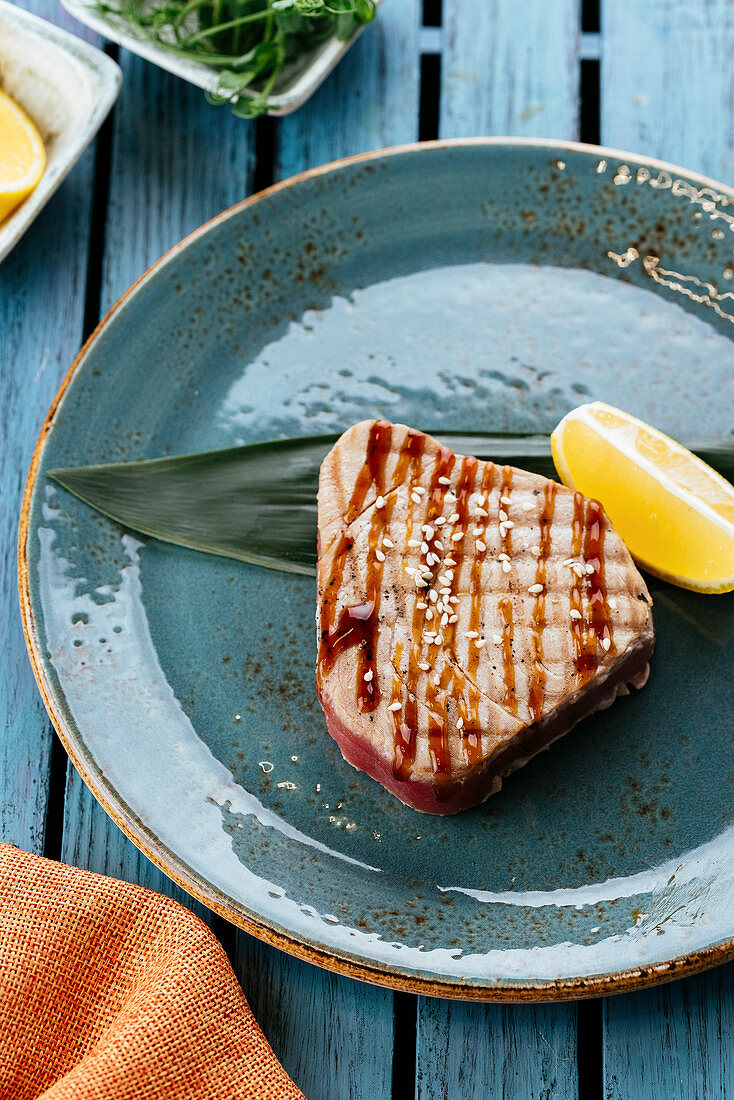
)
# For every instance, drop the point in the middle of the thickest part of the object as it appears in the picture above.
(66, 86)
(303, 85)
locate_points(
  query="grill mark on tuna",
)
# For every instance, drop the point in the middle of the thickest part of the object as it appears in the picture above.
(597, 588)
(505, 491)
(509, 701)
(576, 596)
(536, 695)
(405, 746)
(476, 576)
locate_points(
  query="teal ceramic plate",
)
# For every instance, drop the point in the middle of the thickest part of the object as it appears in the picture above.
(476, 285)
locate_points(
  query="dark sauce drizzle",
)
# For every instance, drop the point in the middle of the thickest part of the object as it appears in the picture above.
(536, 694)
(357, 626)
(588, 635)
(406, 725)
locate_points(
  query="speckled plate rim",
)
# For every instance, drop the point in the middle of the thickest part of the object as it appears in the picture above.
(505, 991)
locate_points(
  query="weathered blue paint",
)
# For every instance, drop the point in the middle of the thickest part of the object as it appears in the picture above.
(509, 68)
(666, 87)
(41, 311)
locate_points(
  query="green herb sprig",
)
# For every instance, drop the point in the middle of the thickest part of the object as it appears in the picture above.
(250, 42)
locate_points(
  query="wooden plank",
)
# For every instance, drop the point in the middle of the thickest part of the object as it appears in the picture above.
(499, 79)
(42, 284)
(335, 1036)
(176, 162)
(507, 1052)
(667, 82)
(675, 1041)
(332, 1034)
(510, 69)
(667, 90)
(369, 101)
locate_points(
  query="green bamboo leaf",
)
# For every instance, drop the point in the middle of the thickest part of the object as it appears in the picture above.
(257, 503)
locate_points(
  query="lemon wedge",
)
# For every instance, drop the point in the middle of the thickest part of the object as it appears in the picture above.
(674, 512)
(22, 155)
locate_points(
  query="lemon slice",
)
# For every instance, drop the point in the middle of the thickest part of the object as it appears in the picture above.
(674, 512)
(22, 155)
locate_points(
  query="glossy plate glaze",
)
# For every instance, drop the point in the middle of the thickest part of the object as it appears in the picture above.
(476, 285)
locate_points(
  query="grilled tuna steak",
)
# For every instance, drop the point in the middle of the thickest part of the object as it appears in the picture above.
(468, 614)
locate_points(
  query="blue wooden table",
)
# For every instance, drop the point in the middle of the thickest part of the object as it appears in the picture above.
(653, 76)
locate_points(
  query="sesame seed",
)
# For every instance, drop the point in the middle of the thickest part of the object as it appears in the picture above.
(429, 614)
(421, 582)
(457, 536)
(380, 502)
(535, 589)
(503, 515)
(427, 530)
(509, 524)
(436, 680)
(388, 542)
(478, 530)
(444, 619)
(450, 496)
(415, 497)
(424, 666)
(613, 604)
(422, 605)
(432, 559)
(535, 550)
(395, 706)
(419, 490)
(497, 638)
(453, 517)
(424, 548)
(568, 561)
(433, 596)
(438, 639)
(471, 634)
(481, 512)
(446, 591)
(414, 543)
(444, 481)
(503, 557)
(429, 635)
(459, 723)
(379, 555)
(506, 566)
(368, 675)
(574, 613)
(503, 530)
(505, 500)
(589, 569)
(453, 618)
(453, 599)
(439, 521)
(479, 643)
(438, 544)
(606, 644)
(481, 546)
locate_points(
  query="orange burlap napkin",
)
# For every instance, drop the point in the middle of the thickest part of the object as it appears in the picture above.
(112, 992)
